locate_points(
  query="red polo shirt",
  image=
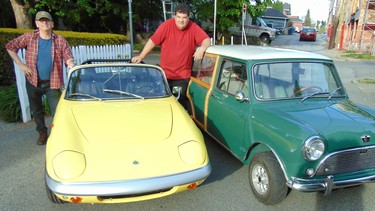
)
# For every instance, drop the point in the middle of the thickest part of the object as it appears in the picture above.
(178, 47)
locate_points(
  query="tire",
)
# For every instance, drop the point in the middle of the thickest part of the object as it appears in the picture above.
(53, 198)
(267, 179)
(265, 38)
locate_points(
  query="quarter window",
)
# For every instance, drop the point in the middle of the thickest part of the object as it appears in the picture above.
(204, 69)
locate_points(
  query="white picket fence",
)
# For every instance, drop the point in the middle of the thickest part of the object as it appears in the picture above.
(80, 54)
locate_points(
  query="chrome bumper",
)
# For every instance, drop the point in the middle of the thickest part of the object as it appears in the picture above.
(327, 184)
(137, 186)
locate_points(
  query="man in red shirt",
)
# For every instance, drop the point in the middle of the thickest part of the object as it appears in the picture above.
(45, 54)
(178, 38)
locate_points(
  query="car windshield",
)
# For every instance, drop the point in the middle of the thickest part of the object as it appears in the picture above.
(116, 82)
(296, 80)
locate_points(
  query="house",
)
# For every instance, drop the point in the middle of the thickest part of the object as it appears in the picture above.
(297, 23)
(275, 19)
(355, 29)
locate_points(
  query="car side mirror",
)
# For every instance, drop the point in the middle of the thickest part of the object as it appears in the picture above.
(240, 96)
(176, 91)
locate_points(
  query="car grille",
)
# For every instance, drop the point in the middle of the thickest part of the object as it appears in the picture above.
(347, 161)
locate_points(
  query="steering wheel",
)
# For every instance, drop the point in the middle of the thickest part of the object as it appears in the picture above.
(306, 88)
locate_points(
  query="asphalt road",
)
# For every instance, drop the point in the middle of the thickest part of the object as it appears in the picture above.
(227, 188)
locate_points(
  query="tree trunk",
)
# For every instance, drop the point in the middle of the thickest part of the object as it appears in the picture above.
(23, 19)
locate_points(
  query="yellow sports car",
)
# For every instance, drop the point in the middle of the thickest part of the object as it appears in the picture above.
(120, 135)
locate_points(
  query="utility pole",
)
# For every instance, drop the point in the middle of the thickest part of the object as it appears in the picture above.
(131, 29)
(332, 40)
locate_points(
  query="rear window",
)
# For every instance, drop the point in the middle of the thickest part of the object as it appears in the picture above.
(308, 30)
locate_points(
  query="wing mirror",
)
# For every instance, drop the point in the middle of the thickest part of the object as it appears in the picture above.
(176, 91)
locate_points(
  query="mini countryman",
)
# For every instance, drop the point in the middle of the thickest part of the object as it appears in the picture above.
(285, 114)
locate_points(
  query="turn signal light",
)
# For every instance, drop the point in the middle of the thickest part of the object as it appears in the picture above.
(192, 186)
(76, 200)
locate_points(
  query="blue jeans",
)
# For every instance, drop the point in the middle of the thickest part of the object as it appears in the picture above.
(35, 95)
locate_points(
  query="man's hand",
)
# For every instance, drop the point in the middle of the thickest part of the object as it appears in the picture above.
(198, 55)
(137, 59)
(25, 69)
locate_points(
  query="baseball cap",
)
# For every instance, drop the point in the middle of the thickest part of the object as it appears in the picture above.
(43, 14)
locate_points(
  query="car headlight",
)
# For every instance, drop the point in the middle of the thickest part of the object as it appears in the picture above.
(313, 148)
(192, 152)
(69, 164)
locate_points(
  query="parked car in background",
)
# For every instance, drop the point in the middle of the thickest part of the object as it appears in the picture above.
(255, 28)
(307, 34)
(119, 135)
(285, 114)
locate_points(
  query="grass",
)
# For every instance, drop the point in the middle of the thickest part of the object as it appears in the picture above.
(353, 54)
(366, 81)
(138, 47)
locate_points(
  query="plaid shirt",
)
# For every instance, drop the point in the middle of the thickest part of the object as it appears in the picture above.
(61, 52)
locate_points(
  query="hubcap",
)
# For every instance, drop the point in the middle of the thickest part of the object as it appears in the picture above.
(259, 179)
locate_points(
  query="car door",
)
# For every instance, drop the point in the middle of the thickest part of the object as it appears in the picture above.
(227, 118)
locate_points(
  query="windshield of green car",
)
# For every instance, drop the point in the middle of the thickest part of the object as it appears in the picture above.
(116, 82)
(289, 80)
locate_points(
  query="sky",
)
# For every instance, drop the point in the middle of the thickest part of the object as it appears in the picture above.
(319, 9)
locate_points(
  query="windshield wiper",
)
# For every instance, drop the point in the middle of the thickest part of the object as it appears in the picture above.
(83, 95)
(313, 94)
(122, 93)
(332, 93)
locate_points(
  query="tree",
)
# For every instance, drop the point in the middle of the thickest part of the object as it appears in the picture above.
(307, 19)
(278, 5)
(229, 12)
(23, 18)
(88, 15)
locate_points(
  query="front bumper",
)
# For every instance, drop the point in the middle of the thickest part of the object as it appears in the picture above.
(327, 184)
(127, 187)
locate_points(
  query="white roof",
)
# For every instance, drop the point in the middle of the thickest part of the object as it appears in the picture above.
(248, 52)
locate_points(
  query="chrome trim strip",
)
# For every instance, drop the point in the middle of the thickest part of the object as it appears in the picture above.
(327, 184)
(137, 186)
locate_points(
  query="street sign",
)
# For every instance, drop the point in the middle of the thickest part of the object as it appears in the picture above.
(244, 11)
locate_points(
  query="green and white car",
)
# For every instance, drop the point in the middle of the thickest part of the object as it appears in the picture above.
(285, 114)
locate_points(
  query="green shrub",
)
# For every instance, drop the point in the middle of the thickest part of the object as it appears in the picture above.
(9, 104)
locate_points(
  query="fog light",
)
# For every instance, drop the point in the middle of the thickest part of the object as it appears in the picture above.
(310, 172)
(76, 199)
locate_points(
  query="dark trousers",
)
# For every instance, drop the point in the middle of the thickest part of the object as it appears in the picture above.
(183, 83)
(35, 95)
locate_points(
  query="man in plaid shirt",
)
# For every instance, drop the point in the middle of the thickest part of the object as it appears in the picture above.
(45, 54)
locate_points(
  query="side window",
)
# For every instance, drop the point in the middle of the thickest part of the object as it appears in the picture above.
(204, 69)
(233, 78)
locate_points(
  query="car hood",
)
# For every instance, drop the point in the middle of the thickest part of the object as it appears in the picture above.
(341, 123)
(115, 123)
(123, 140)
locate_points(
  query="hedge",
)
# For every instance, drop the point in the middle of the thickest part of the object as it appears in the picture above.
(7, 75)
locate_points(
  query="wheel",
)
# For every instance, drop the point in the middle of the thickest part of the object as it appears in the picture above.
(265, 38)
(267, 179)
(306, 88)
